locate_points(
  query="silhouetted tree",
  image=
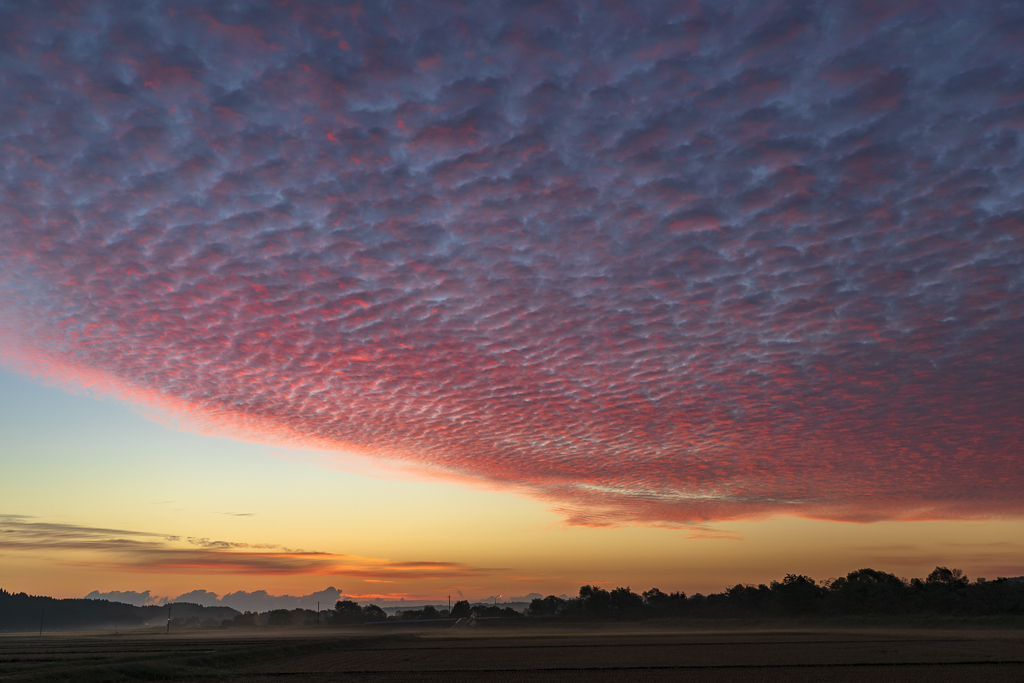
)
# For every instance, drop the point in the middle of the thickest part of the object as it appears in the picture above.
(625, 604)
(593, 601)
(797, 594)
(676, 605)
(460, 609)
(952, 578)
(373, 613)
(748, 599)
(489, 611)
(655, 598)
(279, 617)
(868, 591)
(428, 612)
(546, 607)
(945, 591)
(493, 611)
(348, 612)
(246, 620)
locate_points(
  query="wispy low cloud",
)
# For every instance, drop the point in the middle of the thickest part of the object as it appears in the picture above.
(21, 532)
(706, 533)
(146, 552)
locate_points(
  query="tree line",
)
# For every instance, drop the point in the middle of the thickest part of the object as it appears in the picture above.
(350, 612)
(23, 612)
(863, 592)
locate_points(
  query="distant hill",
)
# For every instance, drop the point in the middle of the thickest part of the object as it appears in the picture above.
(22, 612)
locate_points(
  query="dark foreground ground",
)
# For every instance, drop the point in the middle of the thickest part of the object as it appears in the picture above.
(594, 656)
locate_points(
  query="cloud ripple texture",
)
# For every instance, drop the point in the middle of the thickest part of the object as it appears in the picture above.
(649, 262)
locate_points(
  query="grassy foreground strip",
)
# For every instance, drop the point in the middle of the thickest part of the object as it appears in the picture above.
(539, 655)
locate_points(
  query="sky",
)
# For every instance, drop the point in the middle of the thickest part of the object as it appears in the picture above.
(413, 299)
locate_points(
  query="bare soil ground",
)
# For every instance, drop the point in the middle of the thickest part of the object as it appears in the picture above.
(533, 655)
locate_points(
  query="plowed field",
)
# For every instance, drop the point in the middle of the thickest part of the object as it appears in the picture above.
(595, 656)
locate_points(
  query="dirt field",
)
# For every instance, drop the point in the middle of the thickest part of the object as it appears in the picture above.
(592, 656)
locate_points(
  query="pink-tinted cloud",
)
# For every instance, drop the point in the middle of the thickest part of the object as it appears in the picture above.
(697, 262)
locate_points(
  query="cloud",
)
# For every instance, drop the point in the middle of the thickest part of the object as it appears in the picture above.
(702, 533)
(128, 597)
(261, 601)
(20, 532)
(144, 552)
(663, 267)
(243, 601)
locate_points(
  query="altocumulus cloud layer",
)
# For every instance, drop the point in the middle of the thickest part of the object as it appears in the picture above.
(651, 262)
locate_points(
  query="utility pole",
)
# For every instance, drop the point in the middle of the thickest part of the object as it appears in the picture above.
(317, 612)
(449, 605)
(41, 622)
(168, 618)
